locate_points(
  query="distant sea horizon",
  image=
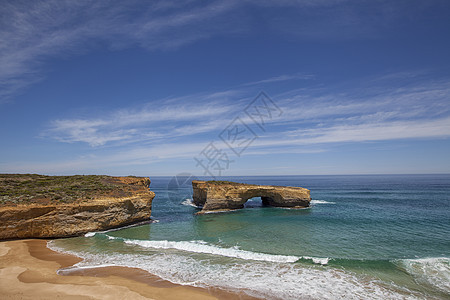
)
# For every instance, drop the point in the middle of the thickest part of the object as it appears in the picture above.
(203, 177)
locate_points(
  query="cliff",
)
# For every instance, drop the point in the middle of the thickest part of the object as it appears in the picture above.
(226, 195)
(37, 206)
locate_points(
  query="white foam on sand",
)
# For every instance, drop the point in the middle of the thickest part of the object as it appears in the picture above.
(264, 279)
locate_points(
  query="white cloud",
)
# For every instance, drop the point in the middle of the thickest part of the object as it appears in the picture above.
(311, 123)
(170, 118)
(323, 114)
(280, 143)
(136, 156)
(420, 99)
(32, 32)
(281, 78)
(385, 131)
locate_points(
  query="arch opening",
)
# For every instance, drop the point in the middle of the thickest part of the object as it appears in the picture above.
(254, 202)
(258, 202)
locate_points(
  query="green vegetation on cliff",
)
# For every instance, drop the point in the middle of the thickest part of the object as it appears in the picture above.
(224, 182)
(34, 188)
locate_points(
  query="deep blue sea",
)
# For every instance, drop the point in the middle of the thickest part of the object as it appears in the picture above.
(364, 237)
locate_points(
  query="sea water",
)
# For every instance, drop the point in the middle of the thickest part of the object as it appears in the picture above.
(364, 237)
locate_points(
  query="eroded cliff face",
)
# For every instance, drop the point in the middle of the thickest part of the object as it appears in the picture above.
(127, 200)
(225, 195)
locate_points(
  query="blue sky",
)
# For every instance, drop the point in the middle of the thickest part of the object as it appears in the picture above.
(146, 88)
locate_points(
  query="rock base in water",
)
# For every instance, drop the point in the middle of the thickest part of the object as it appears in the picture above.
(226, 195)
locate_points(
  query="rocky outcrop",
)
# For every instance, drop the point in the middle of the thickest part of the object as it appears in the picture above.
(121, 201)
(226, 195)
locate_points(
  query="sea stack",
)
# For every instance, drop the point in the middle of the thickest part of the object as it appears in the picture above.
(215, 196)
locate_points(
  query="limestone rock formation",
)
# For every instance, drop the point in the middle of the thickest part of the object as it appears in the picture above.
(110, 202)
(226, 195)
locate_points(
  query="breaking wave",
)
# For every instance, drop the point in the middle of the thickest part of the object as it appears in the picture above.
(256, 274)
(321, 202)
(205, 248)
(190, 202)
(434, 271)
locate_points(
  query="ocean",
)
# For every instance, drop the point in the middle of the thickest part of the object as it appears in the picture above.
(364, 237)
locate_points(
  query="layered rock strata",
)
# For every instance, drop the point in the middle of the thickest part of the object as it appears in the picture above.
(225, 195)
(116, 202)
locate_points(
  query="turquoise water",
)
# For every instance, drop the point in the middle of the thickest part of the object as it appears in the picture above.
(364, 237)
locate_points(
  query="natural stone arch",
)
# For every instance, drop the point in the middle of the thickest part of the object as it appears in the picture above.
(226, 195)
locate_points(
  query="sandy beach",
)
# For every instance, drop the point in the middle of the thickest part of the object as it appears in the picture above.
(28, 270)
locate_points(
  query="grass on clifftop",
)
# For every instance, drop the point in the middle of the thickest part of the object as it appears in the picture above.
(224, 182)
(34, 188)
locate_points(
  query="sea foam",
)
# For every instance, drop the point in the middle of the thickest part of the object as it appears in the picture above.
(190, 202)
(264, 279)
(434, 271)
(318, 260)
(321, 202)
(203, 247)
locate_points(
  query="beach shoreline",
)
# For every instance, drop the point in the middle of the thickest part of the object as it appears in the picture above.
(28, 270)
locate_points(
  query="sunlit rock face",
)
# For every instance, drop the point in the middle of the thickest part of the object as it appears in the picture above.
(226, 195)
(126, 200)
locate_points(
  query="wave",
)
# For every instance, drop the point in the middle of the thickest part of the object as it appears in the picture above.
(321, 202)
(429, 271)
(69, 270)
(317, 260)
(219, 211)
(203, 247)
(263, 279)
(93, 233)
(434, 271)
(189, 202)
(200, 246)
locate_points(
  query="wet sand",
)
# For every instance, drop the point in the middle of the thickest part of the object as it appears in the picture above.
(28, 270)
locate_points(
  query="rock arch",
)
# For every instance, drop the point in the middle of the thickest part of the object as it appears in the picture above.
(227, 195)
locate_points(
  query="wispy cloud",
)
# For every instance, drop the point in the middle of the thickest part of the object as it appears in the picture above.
(320, 113)
(33, 32)
(366, 102)
(281, 78)
(298, 142)
(174, 117)
(135, 156)
(311, 123)
(385, 131)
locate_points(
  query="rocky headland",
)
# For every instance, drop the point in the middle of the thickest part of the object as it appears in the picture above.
(226, 195)
(38, 206)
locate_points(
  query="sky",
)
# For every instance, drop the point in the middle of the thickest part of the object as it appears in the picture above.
(223, 88)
